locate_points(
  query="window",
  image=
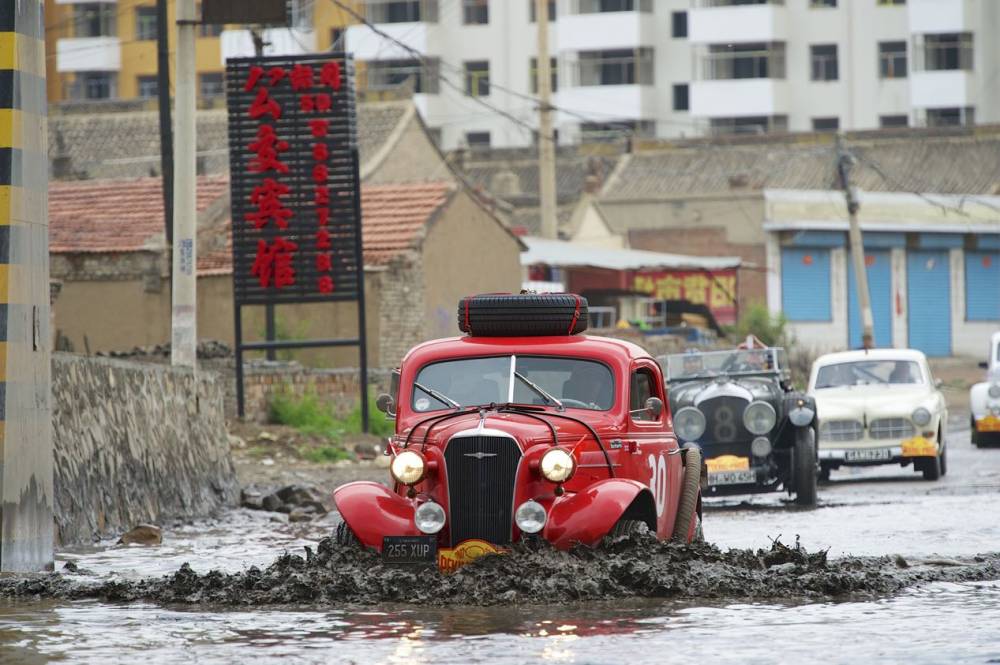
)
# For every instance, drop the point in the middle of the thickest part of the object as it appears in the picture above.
(681, 102)
(211, 85)
(891, 2)
(982, 274)
(477, 140)
(951, 117)
(208, 29)
(823, 59)
(94, 85)
(892, 60)
(603, 6)
(822, 4)
(948, 51)
(868, 372)
(759, 124)
(402, 11)
(389, 74)
(337, 39)
(554, 75)
(744, 61)
(618, 67)
(147, 86)
(475, 12)
(679, 24)
(603, 132)
(145, 23)
(532, 14)
(477, 78)
(826, 124)
(888, 121)
(95, 19)
(643, 387)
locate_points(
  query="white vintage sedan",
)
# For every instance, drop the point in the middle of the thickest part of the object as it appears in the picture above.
(984, 399)
(879, 407)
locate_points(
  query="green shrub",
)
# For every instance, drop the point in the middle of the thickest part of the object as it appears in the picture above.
(757, 320)
(324, 454)
(310, 416)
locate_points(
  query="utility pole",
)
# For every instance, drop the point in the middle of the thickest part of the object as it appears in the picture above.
(546, 139)
(166, 131)
(184, 329)
(844, 163)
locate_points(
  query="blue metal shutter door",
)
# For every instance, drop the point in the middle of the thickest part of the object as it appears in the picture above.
(880, 286)
(928, 294)
(805, 284)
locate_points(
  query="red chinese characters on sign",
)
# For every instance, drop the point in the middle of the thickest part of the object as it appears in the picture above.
(716, 289)
(274, 265)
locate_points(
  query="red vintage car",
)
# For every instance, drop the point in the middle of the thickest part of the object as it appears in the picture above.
(524, 428)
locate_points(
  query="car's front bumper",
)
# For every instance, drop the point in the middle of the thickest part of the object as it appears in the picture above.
(868, 452)
(987, 424)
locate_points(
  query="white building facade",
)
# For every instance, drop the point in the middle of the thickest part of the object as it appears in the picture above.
(670, 68)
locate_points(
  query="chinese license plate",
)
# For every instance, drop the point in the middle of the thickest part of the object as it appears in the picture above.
(732, 477)
(409, 549)
(868, 455)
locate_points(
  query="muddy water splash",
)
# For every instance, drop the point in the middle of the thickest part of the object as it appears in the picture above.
(533, 573)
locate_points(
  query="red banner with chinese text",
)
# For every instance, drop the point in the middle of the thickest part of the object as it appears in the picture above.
(294, 179)
(715, 289)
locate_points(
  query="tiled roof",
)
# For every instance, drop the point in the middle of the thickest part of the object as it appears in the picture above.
(959, 161)
(125, 144)
(127, 216)
(115, 215)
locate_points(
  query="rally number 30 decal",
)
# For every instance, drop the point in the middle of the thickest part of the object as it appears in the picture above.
(658, 481)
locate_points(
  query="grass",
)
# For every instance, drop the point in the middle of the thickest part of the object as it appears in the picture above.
(324, 454)
(309, 415)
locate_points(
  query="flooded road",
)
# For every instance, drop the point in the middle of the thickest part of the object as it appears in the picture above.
(877, 511)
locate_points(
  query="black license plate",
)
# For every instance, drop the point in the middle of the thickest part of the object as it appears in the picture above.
(409, 549)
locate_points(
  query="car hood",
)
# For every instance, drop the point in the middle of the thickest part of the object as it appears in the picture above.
(748, 388)
(873, 401)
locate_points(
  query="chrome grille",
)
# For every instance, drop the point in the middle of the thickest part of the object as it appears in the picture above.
(481, 475)
(840, 430)
(724, 419)
(891, 428)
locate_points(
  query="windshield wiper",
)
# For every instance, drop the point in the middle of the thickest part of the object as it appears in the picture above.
(540, 391)
(441, 397)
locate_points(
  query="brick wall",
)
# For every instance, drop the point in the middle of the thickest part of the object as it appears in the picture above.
(400, 310)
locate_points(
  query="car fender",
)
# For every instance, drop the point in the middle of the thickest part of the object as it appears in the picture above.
(587, 516)
(978, 399)
(374, 511)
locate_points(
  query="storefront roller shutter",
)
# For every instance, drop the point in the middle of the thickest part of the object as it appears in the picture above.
(805, 284)
(982, 286)
(928, 289)
(879, 271)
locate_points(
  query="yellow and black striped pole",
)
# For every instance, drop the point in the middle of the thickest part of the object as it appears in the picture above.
(26, 531)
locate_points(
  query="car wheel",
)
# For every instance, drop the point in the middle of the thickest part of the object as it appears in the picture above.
(690, 492)
(805, 467)
(624, 528)
(943, 460)
(932, 468)
(824, 473)
(346, 538)
(977, 438)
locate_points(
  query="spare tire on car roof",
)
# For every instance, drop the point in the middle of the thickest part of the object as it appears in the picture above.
(524, 315)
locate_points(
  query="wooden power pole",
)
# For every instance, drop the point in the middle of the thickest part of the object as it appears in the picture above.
(546, 138)
(844, 163)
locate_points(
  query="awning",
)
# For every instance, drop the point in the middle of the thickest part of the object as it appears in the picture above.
(563, 254)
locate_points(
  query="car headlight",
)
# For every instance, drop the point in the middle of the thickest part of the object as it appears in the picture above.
(530, 517)
(408, 467)
(689, 423)
(921, 416)
(994, 390)
(557, 465)
(429, 517)
(759, 417)
(760, 447)
(801, 416)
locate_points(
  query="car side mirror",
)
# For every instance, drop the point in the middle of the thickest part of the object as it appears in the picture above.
(655, 407)
(386, 404)
(984, 365)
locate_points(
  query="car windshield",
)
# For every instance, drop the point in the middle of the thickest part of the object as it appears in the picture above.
(545, 381)
(714, 363)
(868, 372)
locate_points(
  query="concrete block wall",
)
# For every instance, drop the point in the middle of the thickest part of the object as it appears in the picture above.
(135, 442)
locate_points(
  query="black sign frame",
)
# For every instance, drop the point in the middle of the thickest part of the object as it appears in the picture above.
(299, 158)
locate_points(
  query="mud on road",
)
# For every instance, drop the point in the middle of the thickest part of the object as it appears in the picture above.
(532, 573)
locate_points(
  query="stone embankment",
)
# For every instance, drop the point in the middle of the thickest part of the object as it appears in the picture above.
(134, 443)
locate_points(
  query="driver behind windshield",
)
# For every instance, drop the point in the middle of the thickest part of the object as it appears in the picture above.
(590, 384)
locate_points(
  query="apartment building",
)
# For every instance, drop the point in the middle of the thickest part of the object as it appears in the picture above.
(106, 51)
(668, 68)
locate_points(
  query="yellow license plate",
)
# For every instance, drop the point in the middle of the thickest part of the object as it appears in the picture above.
(727, 463)
(918, 446)
(988, 424)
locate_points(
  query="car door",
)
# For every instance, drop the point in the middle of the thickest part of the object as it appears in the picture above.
(659, 463)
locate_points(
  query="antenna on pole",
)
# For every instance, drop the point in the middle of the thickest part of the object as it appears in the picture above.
(844, 163)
